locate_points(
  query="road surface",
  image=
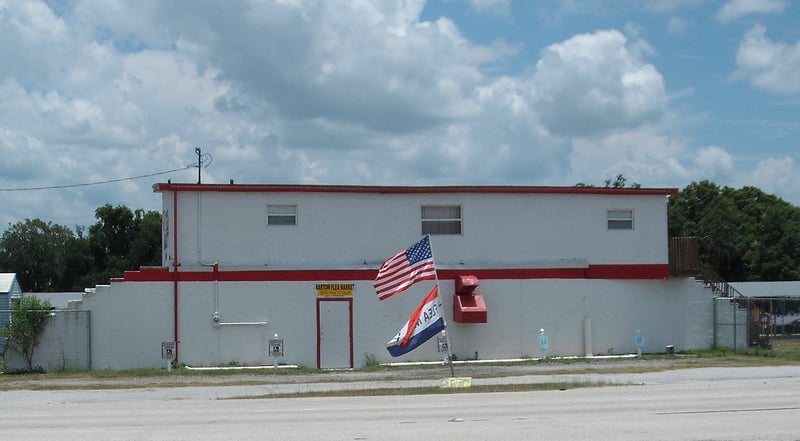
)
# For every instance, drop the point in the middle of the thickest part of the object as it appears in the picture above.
(705, 404)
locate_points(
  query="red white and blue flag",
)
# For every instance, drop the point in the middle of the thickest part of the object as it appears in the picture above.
(405, 268)
(426, 321)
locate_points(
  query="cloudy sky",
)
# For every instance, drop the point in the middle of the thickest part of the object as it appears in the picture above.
(406, 92)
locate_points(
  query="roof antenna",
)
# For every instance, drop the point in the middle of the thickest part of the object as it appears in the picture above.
(203, 160)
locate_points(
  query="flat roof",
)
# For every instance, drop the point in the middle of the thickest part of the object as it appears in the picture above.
(768, 289)
(373, 189)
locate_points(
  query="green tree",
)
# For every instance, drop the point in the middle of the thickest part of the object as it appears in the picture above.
(51, 257)
(111, 236)
(29, 316)
(619, 182)
(145, 248)
(770, 241)
(745, 233)
(78, 262)
(34, 249)
(122, 240)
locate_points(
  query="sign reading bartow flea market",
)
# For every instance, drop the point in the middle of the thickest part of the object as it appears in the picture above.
(335, 289)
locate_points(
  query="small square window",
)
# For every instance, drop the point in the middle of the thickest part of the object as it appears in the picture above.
(620, 219)
(281, 214)
(441, 219)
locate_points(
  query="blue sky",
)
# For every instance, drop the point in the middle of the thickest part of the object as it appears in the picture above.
(693, 45)
(439, 92)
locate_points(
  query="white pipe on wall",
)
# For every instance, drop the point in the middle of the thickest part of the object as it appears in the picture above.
(587, 336)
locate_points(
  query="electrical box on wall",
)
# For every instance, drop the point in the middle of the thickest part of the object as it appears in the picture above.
(468, 305)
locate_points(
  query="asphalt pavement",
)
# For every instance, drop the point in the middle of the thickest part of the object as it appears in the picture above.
(706, 403)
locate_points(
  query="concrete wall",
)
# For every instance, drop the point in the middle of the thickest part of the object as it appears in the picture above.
(131, 319)
(346, 230)
(64, 345)
(129, 322)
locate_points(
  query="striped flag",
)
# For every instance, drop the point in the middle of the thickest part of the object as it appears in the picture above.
(405, 268)
(425, 322)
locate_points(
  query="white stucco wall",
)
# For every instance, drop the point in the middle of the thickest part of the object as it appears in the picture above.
(129, 322)
(64, 345)
(344, 230)
(131, 319)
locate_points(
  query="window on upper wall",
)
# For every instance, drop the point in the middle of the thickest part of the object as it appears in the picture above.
(620, 219)
(441, 219)
(281, 214)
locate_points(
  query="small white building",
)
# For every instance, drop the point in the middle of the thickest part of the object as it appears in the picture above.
(9, 287)
(242, 263)
(9, 290)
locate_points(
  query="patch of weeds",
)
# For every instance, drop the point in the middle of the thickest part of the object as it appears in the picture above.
(371, 362)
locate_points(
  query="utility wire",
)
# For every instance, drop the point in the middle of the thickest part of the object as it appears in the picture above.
(51, 187)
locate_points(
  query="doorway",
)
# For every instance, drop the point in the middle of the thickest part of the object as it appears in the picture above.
(334, 333)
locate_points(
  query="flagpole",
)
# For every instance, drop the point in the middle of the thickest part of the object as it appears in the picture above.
(444, 320)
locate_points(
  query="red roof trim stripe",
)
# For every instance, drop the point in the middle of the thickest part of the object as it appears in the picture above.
(288, 188)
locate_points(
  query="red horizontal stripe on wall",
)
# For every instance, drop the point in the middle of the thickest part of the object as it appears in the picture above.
(516, 273)
(635, 272)
(157, 274)
(611, 272)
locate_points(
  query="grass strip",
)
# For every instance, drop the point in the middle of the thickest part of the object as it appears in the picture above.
(488, 388)
(783, 352)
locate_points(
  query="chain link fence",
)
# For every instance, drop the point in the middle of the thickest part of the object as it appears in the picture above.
(755, 322)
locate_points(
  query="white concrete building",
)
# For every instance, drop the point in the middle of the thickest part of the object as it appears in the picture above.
(242, 263)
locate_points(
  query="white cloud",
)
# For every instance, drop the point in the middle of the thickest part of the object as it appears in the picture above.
(778, 176)
(713, 163)
(367, 79)
(315, 92)
(642, 155)
(597, 82)
(35, 22)
(677, 25)
(334, 91)
(736, 9)
(604, 7)
(496, 6)
(667, 5)
(769, 65)
(33, 43)
(78, 110)
(369, 63)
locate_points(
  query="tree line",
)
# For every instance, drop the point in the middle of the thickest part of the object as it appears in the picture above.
(745, 235)
(49, 257)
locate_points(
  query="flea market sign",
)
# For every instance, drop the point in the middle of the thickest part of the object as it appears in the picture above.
(335, 289)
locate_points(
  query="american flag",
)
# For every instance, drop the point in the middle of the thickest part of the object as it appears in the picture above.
(405, 268)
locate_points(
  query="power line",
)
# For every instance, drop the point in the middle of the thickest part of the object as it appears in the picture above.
(110, 181)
